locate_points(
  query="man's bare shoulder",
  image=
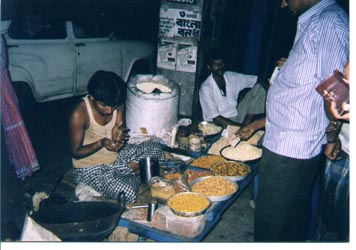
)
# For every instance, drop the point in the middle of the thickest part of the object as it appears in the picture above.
(80, 108)
(79, 113)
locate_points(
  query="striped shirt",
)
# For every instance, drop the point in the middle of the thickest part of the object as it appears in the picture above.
(296, 120)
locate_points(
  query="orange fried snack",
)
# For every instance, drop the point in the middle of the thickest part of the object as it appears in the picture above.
(207, 161)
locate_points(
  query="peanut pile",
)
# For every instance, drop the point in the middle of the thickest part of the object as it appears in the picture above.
(230, 169)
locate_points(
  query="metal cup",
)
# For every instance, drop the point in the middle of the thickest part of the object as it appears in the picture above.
(149, 167)
(151, 210)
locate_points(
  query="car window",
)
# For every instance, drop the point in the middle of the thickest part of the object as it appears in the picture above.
(34, 27)
(93, 27)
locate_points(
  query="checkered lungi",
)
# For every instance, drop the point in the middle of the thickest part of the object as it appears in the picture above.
(111, 180)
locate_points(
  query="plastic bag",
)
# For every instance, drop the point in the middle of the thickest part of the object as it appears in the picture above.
(32, 231)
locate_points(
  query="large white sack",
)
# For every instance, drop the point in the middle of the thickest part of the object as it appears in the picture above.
(152, 113)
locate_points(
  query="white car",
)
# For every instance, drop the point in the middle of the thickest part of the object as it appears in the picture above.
(52, 59)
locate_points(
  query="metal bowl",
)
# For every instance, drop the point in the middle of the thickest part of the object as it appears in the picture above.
(81, 221)
(188, 214)
(216, 198)
(251, 161)
(235, 177)
(211, 135)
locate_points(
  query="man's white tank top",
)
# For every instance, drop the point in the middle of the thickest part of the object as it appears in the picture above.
(94, 133)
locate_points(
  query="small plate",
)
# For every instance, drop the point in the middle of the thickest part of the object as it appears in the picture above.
(192, 196)
(216, 198)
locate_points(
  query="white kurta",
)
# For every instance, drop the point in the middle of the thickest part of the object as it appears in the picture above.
(212, 101)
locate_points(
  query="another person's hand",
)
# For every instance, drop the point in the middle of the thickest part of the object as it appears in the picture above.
(332, 150)
(281, 62)
(284, 4)
(347, 71)
(336, 114)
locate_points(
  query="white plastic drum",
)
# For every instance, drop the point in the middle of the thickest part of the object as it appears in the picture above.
(151, 110)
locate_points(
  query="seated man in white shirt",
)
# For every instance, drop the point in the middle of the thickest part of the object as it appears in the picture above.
(219, 94)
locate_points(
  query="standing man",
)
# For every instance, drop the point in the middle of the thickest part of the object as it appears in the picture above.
(296, 121)
(220, 92)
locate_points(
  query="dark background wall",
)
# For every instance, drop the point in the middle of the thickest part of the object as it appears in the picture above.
(254, 33)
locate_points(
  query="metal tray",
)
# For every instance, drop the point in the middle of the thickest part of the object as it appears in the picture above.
(216, 198)
(188, 214)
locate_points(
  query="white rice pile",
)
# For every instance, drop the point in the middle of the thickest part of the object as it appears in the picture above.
(242, 152)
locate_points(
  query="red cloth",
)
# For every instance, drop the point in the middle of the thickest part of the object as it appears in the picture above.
(21, 153)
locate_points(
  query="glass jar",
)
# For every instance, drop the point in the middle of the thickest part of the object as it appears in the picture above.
(195, 144)
(161, 189)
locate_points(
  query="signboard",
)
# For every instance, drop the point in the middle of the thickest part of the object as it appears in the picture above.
(178, 22)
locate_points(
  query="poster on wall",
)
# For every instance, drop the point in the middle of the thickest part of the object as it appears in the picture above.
(179, 22)
(178, 55)
(179, 31)
(186, 57)
(166, 56)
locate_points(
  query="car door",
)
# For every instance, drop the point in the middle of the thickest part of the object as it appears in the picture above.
(94, 50)
(41, 55)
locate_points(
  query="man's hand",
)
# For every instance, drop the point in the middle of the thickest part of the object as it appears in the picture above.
(111, 145)
(120, 133)
(135, 167)
(335, 112)
(245, 132)
(332, 150)
(281, 62)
